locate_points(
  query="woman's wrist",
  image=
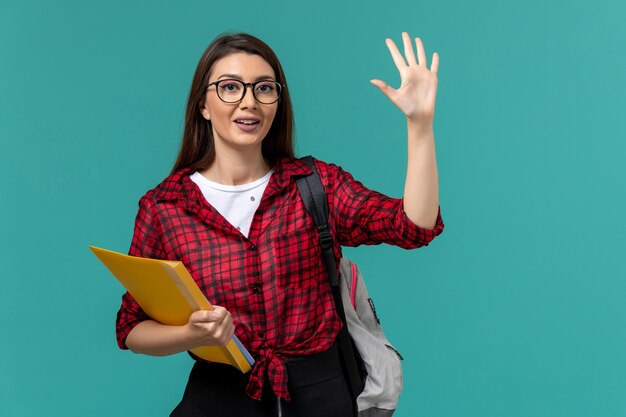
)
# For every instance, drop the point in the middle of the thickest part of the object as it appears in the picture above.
(420, 128)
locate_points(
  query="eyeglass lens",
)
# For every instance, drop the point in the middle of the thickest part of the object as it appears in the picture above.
(231, 91)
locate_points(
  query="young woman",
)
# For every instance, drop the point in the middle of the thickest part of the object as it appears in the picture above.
(230, 210)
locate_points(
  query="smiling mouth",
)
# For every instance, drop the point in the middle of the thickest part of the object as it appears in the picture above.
(247, 122)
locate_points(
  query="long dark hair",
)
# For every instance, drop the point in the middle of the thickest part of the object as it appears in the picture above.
(197, 149)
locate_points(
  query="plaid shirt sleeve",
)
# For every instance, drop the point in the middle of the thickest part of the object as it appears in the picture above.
(366, 217)
(146, 243)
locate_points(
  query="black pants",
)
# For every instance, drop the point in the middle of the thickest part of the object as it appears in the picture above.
(316, 384)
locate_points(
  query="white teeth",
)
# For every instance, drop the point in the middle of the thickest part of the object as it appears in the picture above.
(247, 122)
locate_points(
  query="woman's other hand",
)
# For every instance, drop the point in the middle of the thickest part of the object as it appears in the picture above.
(208, 328)
(418, 90)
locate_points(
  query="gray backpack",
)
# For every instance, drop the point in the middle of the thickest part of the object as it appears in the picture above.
(371, 364)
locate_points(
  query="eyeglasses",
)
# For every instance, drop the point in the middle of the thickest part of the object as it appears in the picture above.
(233, 91)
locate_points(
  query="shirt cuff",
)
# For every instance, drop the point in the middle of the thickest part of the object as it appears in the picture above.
(414, 235)
(128, 316)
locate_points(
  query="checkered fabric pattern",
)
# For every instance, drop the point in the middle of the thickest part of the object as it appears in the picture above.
(274, 282)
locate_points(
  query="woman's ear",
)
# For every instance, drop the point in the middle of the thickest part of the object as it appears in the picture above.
(202, 106)
(205, 112)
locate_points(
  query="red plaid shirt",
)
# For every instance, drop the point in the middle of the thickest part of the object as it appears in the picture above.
(273, 282)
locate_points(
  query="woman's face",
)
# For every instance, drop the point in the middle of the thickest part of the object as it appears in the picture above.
(227, 119)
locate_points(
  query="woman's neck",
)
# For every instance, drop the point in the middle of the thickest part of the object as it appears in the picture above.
(236, 168)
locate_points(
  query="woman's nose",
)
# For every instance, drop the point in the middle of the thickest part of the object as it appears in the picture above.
(248, 99)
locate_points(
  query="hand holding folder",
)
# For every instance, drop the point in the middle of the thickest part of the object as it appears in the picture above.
(168, 294)
(211, 327)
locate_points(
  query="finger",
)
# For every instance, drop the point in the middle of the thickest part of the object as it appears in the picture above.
(395, 54)
(202, 316)
(222, 315)
(207, 316)
(421, 53)
(382, 86)
(408, 49)
(435, 65)
(227, 331)
(224, 332)
(220, 310)
(385, 88)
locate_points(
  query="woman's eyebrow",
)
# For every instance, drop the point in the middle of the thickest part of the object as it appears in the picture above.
(238, 77)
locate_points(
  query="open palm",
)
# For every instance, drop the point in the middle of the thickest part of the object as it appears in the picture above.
(418, 89)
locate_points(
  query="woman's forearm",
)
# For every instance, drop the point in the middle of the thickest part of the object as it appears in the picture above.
(152, 338)
(421, 189)
(204, 328)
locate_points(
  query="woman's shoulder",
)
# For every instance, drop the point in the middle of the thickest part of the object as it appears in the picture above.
(332, 174)
(327, 170)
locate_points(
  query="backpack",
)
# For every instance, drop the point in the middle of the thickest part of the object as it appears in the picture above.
(371, 364)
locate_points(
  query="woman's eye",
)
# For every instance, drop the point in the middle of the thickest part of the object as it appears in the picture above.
(229, 86)
(265, 87)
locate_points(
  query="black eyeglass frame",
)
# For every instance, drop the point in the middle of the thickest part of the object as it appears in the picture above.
(245, 90)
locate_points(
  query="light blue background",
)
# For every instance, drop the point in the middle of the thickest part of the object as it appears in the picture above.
(516, 310)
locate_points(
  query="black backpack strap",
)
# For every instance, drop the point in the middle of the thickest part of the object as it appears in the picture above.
(316, 203)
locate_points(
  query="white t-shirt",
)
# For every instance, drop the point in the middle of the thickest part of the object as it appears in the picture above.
(237, 203)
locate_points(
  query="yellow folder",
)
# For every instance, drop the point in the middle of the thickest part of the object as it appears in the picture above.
(168, 294)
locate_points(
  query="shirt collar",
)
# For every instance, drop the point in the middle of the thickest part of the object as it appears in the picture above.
(179, 186)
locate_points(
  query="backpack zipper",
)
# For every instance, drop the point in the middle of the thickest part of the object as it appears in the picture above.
(371, 303)
(395, 351)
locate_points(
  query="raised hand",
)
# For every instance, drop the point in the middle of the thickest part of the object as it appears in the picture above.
(418, 89)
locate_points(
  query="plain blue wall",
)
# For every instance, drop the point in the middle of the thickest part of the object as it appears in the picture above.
(516, 310)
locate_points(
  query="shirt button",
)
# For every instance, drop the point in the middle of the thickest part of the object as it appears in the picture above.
(252, 247)
(256, 290)
(260, 334)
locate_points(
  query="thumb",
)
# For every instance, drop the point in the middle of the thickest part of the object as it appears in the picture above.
(383, 87)
(204, 316)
